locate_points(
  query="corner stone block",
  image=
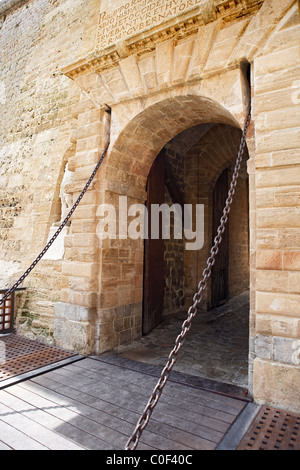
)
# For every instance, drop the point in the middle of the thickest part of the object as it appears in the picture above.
(87, 131)
(275, 61)
(291, 261)
(182, 58)
(147, 68)
(278, 304)
(88, 81)
(131, 74)
(71, 268)
(272, 178)
(224, 45)
(69, 312)
(286, 350)
(269, 260)
(203, 43)
(263, 347)
(92, 84)
(277, 384)
(116, 84)
(89, 116)
(164, 62)
(285, 139)
(279, 217)
(276, 325)
(74, 335)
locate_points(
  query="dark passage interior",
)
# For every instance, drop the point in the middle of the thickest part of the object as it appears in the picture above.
(195, 168)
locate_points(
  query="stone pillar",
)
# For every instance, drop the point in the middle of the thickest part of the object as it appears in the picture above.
(119, 314)
(277, 165)
(252, 252)
(75, 314)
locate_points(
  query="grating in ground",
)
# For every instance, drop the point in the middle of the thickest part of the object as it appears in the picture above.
(272, 429)
(19, 355)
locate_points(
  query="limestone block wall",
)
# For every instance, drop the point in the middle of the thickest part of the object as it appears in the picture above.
(55, 90)
(81, 265)
(36, 38)
(144, 88)
(277, 175)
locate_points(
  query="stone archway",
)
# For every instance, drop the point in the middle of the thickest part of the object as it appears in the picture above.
(200, 56)
(119, 318)
(136, 147)
(205, 150)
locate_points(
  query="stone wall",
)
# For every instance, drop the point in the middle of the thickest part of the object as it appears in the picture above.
(56, 87)
(277, 175)
(139, 79)
(35, 140)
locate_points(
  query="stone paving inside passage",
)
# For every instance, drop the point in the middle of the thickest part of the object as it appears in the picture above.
(216, 347)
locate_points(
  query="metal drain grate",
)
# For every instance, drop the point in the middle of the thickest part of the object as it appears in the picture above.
(19, 355)
(272, 430)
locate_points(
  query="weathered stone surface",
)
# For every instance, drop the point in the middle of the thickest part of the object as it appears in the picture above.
(148, 76)
(287, 379)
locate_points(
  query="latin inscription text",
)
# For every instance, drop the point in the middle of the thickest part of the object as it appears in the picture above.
(137, 15)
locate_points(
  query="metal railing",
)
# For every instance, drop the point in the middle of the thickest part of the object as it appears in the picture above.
(7, 311)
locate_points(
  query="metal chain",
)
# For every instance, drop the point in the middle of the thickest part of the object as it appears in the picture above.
(63, 224)
(133, 442)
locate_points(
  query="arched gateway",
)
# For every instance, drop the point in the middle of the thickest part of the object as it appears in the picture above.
(199, 136)
(184, 93)
(197, 140)
(168, 83)
(199, 124)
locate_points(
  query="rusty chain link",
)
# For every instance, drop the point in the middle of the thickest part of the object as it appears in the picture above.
(133, 442)
(63, 224)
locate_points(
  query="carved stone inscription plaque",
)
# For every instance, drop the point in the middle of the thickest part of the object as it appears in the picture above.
(120, 19)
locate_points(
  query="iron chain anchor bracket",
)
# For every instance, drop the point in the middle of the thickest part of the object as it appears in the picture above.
(63, 224)
(133, 441)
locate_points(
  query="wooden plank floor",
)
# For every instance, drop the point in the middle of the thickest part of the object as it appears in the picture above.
(95, 405)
